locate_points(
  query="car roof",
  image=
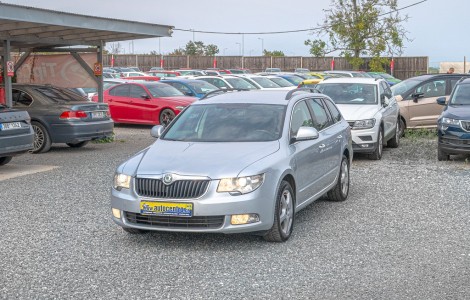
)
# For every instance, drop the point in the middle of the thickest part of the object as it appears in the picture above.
(353, 80)
(252, 97)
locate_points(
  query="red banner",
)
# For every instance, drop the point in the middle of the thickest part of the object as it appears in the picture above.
(333, 64)
(57, 69)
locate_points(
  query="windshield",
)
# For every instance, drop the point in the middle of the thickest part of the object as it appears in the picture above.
(57, 95)
(387, 76)
(461, 95)
(202, 87)
(404, 86)
(350, 93)
(163, 90)
(282, 82)
(234, 122)
(239, 83)
(265, 82)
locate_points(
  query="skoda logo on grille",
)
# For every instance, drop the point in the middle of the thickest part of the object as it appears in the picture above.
(167, 179)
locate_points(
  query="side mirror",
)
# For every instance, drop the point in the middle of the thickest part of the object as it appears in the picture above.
(145, 96)
(416, 96)
(189, 93)
(156, 131)
(306, 133)
(441, 100)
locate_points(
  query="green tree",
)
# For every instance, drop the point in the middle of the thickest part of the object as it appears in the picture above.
(273, 53)
(211, 50)
(361, 27)
(176, 52)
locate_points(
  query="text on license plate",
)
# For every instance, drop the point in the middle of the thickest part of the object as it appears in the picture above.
(12, 125)
(166, 209)
(98, 114)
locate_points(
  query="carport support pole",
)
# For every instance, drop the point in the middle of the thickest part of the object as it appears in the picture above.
(6, 78)
(99, 54)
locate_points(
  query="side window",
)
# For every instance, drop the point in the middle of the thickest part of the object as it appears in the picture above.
(21, 99)
(320, 114)
(137, 92)
(220, 84)
(300, 117)
(436, 88)
(181, 87)
(381, 89)
(333, 110)
(120, 90)
(453, 81)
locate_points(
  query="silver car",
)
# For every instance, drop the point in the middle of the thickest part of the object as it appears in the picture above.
(236, 162)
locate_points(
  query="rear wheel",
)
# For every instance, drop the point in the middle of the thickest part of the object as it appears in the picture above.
(42, 140)
(4, 160)
(77, 145)
(166, 116)
(377, 154)
(395, 141)
(283, 215)
(402, 128)
(341, 190)
(442, 155)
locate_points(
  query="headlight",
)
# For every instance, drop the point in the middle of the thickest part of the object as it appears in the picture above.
(448, 121)
(364, 124)
(122, 181)
(241, 185)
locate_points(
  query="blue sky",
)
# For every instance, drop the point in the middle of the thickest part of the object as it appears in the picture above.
(436, 28)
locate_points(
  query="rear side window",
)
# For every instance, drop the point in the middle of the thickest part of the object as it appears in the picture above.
(21, 99)
(137, 92)
(320, 113)
(333, 110)
(120, 90)
(57, 95)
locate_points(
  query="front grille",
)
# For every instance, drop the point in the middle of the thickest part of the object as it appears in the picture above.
(181, 189)
(199, 222)
(366, 138)
(454, 141)
(465, 125)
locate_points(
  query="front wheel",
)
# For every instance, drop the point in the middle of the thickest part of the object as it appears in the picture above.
(166, 116)
(395, 141)
(441, 155)
(4, 160)
(341, 190)
(377, 154)
(284, 214)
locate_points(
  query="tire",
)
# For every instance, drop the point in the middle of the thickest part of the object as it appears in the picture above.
(77, 145)
(441, 155)
(42, 140)
(402, 128)
(4, 160)
(377, 154)
(341, 190)
(395, 141)
(166, 116)
(284, 215)
(133, 230)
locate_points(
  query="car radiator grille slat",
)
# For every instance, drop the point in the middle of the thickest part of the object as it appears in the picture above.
(465, 125)
(196, 222)
(181, 189)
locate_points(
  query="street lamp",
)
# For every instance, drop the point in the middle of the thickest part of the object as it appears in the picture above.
(262, 46)
(240, 48)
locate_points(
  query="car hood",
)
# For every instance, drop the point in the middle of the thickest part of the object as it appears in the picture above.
(181, 100)
(215, 160)
(459, 112)
(352, 112)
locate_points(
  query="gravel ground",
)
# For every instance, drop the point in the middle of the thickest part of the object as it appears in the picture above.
(402, 234)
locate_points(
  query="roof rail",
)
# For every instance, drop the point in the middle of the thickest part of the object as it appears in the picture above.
(212, 93)
(303, 89)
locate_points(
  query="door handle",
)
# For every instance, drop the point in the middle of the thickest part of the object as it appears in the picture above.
(322, 146)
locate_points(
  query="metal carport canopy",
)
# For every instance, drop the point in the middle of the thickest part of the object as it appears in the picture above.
(25, 28)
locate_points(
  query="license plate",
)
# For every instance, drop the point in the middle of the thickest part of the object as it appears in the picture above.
(154, 208)
(98, 114)
(8, 126)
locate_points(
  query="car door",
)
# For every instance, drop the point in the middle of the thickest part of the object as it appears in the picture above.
(142, 108)
(306, 155)
(389, 110)
(118, 102)
(424, 111)
(331, 135)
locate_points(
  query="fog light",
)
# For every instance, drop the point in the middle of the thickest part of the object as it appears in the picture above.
(365, 145)
(244, 219)
(116, 213)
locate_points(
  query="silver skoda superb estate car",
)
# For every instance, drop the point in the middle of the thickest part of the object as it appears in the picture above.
(237, 162)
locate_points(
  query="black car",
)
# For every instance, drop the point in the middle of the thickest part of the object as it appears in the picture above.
(454, 122)
(61, 116)
(16, 133)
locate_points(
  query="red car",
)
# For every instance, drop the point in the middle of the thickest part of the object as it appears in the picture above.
(145, 103)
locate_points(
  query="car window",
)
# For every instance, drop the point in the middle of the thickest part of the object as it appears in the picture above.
(333, 110)
(120, 91)
(453, 81)
(180, 87)
(435, 88)
(461, 95)
(265, 82)
(240, 122)
(57, 95)
(350, 93)
(300, 117)
(282, 82)
(163, 90)
(21, 99)
(137, 91)
(239, 83)
(202, 87)
(320, 114)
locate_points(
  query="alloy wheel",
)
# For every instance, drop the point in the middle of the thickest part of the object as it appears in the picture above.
(38, 138)
(344, 178)
(286, 212)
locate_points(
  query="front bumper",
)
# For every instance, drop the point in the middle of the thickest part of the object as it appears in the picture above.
(75, 132)
(211, 212)
(453, 140)
(365, 140)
